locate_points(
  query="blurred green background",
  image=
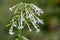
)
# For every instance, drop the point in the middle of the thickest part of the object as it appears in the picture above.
(49, 31)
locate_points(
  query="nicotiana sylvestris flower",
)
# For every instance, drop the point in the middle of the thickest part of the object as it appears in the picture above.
(24, 14)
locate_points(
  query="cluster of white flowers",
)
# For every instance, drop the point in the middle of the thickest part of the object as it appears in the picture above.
(28, 12)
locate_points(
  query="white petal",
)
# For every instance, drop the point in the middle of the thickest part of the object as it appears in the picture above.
(11, 33)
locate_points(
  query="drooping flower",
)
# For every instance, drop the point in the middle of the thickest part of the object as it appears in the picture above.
(11, 9)
(26, 13)
(40, 21)
(36, 9)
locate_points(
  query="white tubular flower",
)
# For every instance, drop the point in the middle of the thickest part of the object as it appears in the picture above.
(19, 26)
(14, 24)
(34, 20)
(11, 28)
(37, 30)
(27, 13)
(37, 9)
(21, 20)
(29, 28)
(12, 7)
(40, 21)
